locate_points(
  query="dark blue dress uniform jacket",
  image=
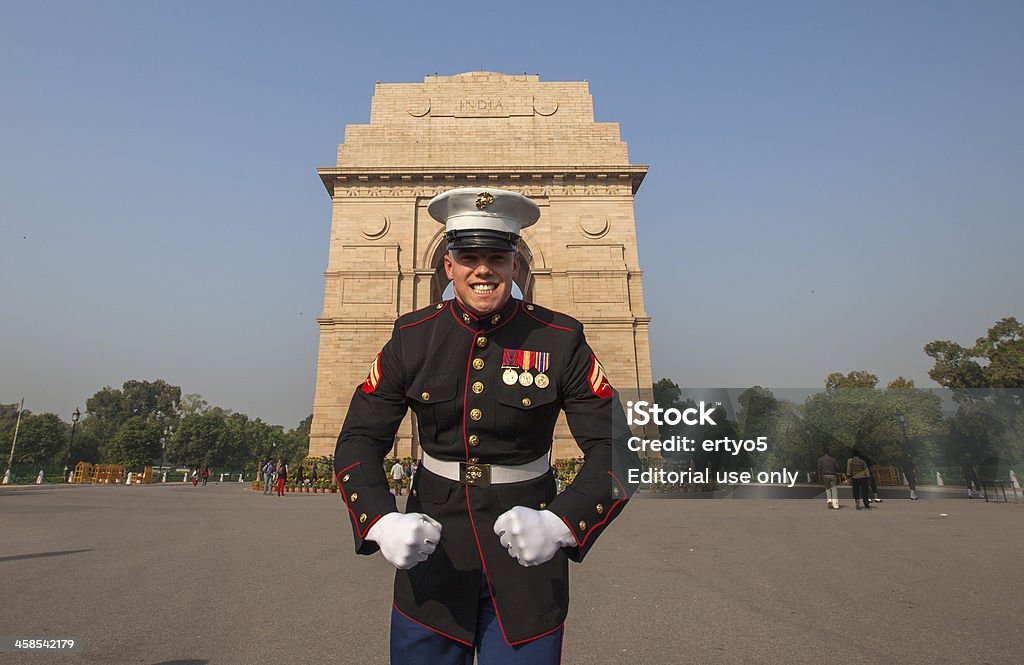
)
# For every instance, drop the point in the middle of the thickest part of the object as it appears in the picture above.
(446, 364)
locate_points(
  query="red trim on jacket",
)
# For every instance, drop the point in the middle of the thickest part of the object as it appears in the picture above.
(427, 318)
(344, 496)
(394, 606)
(608, 516)
(550, 325)
(458, 319)
(483, 565)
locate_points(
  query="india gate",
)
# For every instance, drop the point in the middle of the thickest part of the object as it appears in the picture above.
(477, 129)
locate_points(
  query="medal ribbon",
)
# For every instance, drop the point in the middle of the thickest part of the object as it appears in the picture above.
(520, 359)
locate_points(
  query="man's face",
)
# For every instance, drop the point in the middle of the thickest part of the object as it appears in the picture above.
(483, 277)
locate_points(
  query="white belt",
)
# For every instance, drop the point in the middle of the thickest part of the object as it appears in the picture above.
(486, 474)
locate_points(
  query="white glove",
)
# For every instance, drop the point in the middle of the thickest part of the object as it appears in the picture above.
(531, 536)
(405, 539)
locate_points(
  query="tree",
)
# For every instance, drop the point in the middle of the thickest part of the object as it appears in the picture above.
(987, 380)
(42, 439)
(995, 361)
(136, 443)
(922, 421)
(109, 409)
(851, 381)
(760, 415)
(848, 415)
(155, 400)
(105, 412)
(192, 404)
(296, 441)
(199, 439)
(86, 447)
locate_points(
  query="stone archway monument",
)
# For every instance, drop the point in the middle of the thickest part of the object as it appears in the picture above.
(488, 129)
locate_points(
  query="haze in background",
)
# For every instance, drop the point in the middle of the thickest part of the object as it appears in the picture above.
(832, 185)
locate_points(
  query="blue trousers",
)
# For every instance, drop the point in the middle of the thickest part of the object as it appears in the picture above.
(415, 644)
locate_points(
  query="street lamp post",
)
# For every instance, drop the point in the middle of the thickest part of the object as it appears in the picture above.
(810, 449)
(163, 453)
(74, 424)
(903, 427)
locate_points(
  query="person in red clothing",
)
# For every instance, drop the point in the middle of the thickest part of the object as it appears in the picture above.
(195, 476)
(206, 475)
(282, 476)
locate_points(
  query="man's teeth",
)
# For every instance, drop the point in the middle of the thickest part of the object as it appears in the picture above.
(483, 288)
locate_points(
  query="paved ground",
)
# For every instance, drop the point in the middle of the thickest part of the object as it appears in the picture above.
(172, 574)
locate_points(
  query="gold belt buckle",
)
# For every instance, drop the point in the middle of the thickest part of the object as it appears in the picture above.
(478, 475)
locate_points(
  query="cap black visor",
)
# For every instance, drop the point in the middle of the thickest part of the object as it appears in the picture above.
(482, 238)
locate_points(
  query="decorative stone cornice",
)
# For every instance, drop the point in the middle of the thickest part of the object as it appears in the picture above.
(542, 181)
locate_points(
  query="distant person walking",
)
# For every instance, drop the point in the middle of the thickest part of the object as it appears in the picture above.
(828, 469)
(282, 476)
(206, 475)
(871, 474)
(907, 467)
(971, 477)
(397, 474)
(268, 477)
(195, 476)
(858, 471)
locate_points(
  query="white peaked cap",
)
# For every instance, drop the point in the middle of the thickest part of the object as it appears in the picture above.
(483, 209)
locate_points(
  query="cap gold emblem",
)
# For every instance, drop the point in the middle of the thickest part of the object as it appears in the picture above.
(483, 200)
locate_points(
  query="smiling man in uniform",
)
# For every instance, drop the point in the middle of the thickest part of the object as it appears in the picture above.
(482, 552)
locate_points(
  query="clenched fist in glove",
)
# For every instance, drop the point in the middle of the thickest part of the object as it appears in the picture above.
(532, 536)
(405, 539)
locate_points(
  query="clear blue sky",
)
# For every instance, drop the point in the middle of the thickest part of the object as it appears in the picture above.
(832, 185)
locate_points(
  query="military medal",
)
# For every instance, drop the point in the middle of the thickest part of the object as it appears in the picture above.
(542, 362)
(508, 363)
(516, 359)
